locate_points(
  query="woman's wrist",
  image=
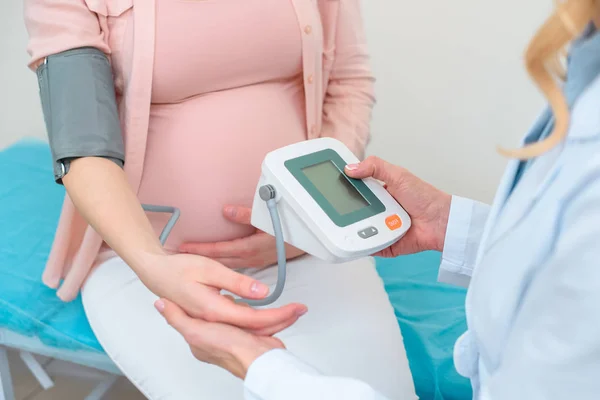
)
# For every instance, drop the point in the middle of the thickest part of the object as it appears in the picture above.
(146, 264)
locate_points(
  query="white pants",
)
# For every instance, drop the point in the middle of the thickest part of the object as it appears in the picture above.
(349, 330)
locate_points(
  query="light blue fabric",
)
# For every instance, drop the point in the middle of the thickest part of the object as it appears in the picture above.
(30, 203)
(431, 315)
(466, 224)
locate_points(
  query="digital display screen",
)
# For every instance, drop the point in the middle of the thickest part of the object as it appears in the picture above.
(335, 187)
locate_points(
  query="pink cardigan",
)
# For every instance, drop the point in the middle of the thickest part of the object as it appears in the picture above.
(338, 87)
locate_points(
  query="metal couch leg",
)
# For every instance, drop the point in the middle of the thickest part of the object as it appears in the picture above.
(102, 388)
(6, 386)
(37, 370)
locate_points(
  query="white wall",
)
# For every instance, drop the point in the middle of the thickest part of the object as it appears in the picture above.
(20, 112)
(451, 85)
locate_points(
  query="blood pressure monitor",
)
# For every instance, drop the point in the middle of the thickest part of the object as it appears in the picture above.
(321, 210)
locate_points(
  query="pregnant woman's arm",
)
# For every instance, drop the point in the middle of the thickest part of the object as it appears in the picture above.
(100, 191)
(66, 35)
(350, 95)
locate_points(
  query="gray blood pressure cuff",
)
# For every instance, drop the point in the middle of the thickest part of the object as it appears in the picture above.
(80, 110)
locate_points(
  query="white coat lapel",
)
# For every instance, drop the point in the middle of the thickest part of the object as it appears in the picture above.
(520, 203)
(506, 184)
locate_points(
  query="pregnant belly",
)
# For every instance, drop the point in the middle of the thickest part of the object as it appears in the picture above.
(207, 152)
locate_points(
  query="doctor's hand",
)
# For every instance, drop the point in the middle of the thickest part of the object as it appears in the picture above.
(194, 283)
(427, 206)
(257, 250)
(220, 344)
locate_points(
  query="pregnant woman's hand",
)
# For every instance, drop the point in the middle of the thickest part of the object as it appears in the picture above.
(220, 344)
(257, 250)
(194, 283)
(427, 206)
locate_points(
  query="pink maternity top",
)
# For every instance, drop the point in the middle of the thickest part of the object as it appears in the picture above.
(227, 89)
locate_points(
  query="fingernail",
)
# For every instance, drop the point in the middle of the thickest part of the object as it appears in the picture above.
(352, 167)
(231, 211)
(258, 288)
(301, 312)
(159, 305)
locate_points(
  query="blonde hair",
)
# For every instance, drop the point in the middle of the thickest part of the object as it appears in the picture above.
(542, 60)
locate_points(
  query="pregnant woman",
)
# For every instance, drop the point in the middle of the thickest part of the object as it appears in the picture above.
(176, 103)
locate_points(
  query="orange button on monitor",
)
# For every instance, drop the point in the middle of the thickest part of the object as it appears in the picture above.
(393, 222)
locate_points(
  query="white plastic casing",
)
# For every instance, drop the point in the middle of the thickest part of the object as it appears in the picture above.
(305, 224)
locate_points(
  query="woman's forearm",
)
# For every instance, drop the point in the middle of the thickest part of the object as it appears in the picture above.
(101, 193)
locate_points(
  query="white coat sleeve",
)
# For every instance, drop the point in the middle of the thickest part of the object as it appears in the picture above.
(553, 350)
(466, 223)
(278, 375)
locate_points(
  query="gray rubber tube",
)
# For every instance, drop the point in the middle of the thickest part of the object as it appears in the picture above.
(170, 224)
(281, 260)
(267, 193)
